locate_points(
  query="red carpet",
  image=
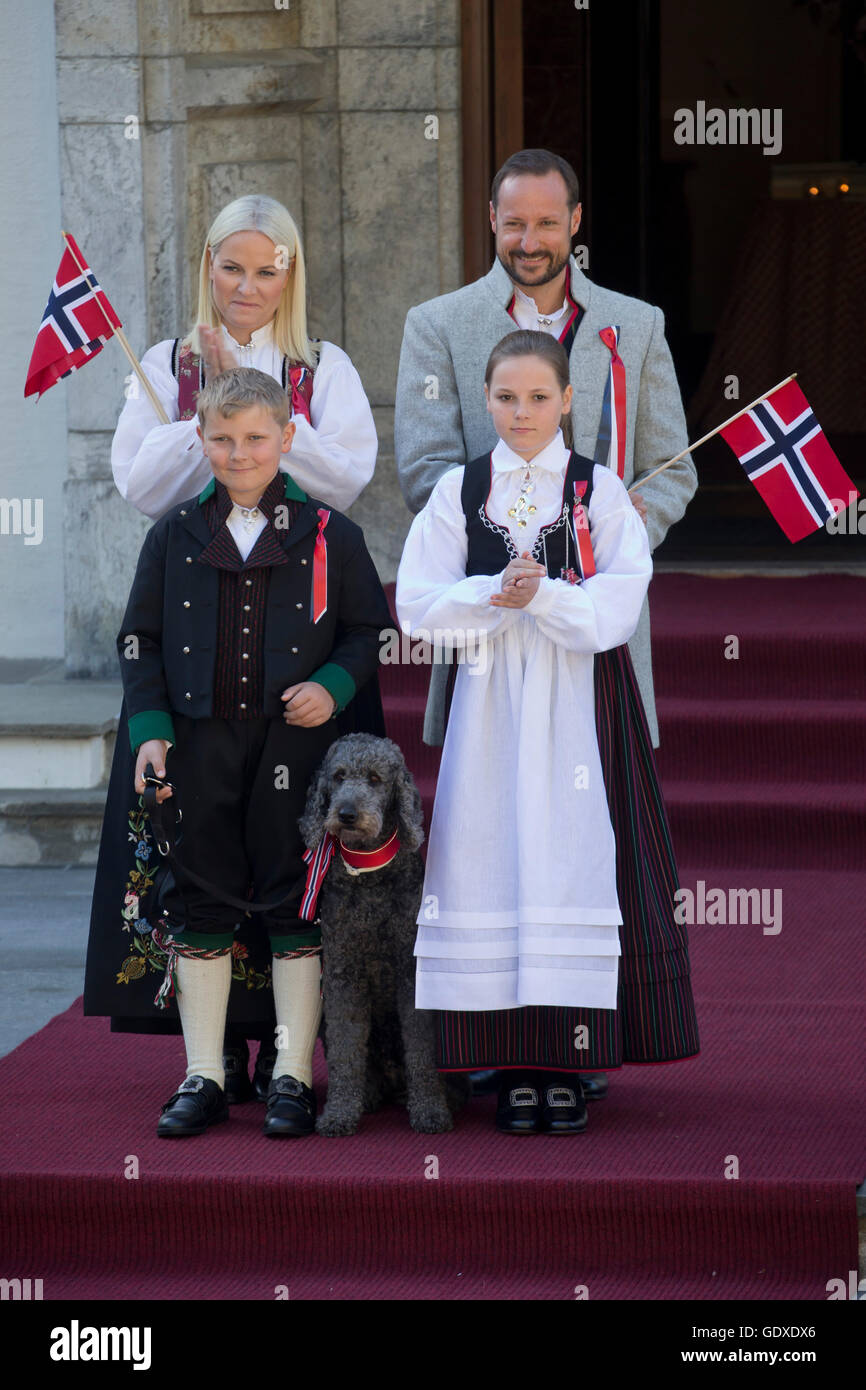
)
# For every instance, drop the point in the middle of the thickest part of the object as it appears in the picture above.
(638, 1207)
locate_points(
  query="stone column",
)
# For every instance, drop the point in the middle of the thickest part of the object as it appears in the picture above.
(347, 113)
(34, 433)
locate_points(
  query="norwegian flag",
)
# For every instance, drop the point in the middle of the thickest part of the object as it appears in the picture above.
(786, 455)
(77, 323)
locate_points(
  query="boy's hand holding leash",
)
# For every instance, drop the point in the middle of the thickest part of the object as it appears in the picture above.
(520, 582)
(153, 751)
(308, 704)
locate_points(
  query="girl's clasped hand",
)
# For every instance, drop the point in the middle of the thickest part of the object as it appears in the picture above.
(520, 581)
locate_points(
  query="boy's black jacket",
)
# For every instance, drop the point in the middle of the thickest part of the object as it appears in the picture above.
(173, 610)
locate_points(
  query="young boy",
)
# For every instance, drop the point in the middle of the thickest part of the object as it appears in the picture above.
(254, 615)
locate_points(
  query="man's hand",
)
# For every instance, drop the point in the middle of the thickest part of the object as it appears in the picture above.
(639, 505)
(153, 751)
(217, 356)
(308, 704)
(520, 581)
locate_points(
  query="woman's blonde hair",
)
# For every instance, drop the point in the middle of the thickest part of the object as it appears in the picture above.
(256, 213)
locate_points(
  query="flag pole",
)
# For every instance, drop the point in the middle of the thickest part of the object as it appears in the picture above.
(123, 340)
(676, 458)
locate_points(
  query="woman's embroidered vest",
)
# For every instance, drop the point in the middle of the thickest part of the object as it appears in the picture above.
(188, 369)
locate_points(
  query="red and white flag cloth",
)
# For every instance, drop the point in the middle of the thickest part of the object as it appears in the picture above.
(785, 453)
(74, 327)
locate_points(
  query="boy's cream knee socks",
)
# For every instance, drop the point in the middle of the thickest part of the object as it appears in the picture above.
(202, 1000)
(298, 1004)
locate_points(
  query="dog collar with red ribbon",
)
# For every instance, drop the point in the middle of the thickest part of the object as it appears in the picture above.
(357, 861)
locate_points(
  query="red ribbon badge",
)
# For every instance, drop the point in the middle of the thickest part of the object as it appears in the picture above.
(581, 533)
(301, 382)
(320, 567)
(614, 402)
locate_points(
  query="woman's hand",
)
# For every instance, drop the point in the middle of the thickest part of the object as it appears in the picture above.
(218, 357)
(308, 704)
(639, 505)
(520, 581)
(153, 751)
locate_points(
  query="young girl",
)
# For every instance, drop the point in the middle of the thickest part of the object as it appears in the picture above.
(519, 924)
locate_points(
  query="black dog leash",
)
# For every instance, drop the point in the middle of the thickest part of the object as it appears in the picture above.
(165, 834)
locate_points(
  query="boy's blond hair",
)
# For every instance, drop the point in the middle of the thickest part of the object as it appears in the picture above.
(238, 389)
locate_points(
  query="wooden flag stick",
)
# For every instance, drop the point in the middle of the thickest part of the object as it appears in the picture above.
(676, 458)
(124, 342)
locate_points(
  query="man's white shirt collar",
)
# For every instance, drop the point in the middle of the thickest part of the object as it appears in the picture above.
(528, 302)
(553, 456)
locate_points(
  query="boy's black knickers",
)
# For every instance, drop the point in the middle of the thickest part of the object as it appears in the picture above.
(240, 819)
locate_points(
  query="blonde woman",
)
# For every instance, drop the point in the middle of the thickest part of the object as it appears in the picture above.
(251, 312)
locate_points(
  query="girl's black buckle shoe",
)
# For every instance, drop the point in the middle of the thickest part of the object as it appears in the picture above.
(518, 1109)
(563, 1110)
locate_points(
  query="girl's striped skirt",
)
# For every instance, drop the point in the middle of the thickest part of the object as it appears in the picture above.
(654, 1020)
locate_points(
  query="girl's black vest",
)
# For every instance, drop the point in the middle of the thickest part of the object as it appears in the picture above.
(491, 546)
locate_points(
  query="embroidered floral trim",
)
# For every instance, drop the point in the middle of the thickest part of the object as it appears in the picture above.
(146, 949)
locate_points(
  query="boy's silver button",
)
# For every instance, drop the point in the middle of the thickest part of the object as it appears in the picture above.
(299, 605)
(183, 511)
(186, 603)
(243, 706)
(246, 608)
(243, 680)
(246, 630)
(187, 696)
(294, 649)
(246, 656)
(249, 583)
(189, 559)
(186, 651)
(303, 562)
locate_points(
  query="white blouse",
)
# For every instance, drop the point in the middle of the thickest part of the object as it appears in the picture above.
(520, 904)
(434, 592)
(156, 466)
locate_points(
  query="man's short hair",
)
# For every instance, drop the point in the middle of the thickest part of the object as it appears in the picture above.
(538, 162)
(238, 389)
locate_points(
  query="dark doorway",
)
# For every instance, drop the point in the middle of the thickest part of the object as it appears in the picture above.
(681, 224)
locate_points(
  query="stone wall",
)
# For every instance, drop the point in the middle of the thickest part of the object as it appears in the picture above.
(168, 109)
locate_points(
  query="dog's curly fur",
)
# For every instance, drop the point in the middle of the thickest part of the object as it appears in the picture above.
(378, 1046)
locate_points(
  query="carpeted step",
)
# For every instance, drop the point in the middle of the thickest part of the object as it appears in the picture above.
(773, 825)
(761, 740)
(797, 637)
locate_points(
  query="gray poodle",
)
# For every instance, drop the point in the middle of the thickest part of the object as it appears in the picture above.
(379, 1048)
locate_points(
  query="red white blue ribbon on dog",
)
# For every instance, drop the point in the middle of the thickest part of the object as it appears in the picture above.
(319, 599)
(318, 860)
(357, 861)
(610, 445)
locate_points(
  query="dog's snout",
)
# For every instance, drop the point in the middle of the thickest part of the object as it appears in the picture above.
(347, 815)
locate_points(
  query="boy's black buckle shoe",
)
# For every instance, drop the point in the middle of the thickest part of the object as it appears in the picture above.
(196, 1105)
(563, 1110)
(291, 1109)
(236, 1061)
(263, 1073)
(518, 1109)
